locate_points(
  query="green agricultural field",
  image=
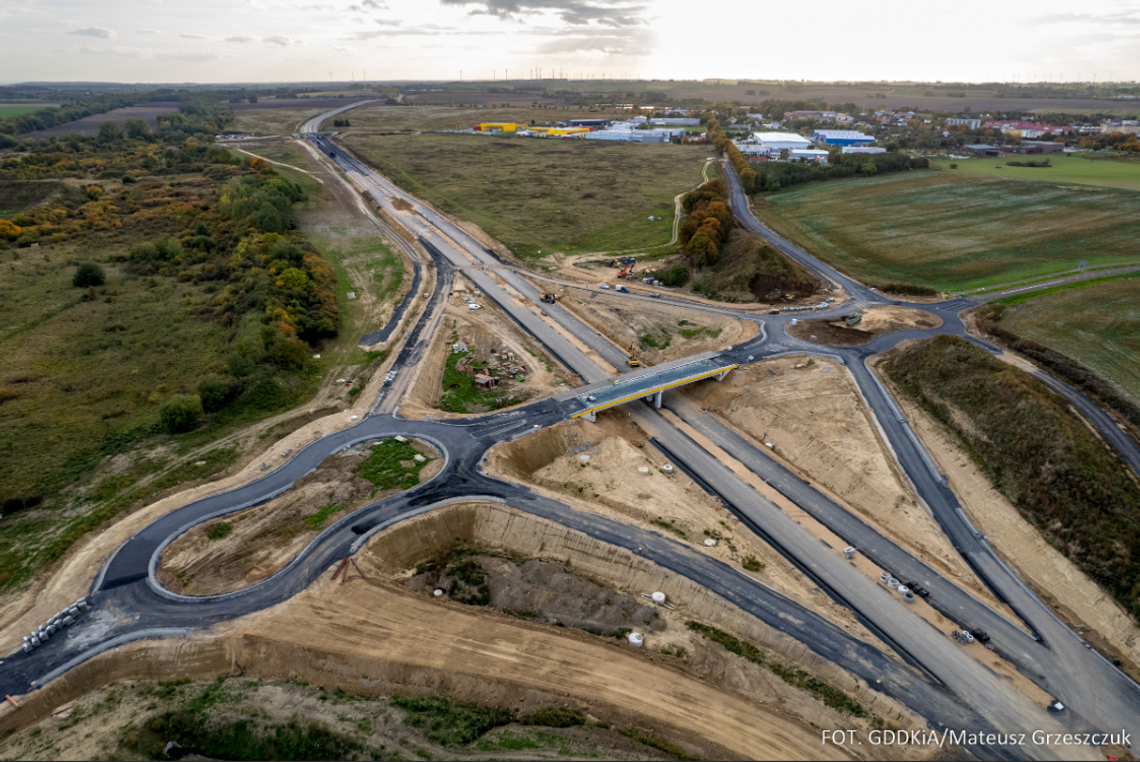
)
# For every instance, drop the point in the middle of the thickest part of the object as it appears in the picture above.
(1065, 168)
(544, 195)
(1097, 325)
(956, 231)
(7, 112)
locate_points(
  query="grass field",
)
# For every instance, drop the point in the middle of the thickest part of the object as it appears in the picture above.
(956, 231)
(544, 195)
(1097, 325)
(1066, 168)
(6, 112)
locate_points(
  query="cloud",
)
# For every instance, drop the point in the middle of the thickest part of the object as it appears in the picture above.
(374, 5)
(624, 42)
(285, 42)
(382, 22)
(95, 31)
(240, 39)
(574, 12)
(193, 37)
(1113, 19)
(147, 31)
(113, 50)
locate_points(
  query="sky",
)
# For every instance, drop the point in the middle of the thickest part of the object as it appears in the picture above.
(385, 40)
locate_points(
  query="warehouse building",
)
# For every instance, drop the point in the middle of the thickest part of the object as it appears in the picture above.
(782, 140)
(842, 137)
(807, 155)
(863, 149)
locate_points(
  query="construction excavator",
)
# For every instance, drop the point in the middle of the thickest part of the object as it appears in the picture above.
(633, 361)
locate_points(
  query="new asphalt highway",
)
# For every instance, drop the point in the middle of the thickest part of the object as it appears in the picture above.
(930, 673)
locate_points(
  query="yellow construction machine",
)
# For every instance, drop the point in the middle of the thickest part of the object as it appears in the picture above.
(633, 361)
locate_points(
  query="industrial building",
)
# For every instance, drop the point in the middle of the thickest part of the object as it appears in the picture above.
(496, 127)
(807, 155)
(842, 137)
(1034, 147)
(558, 132)
(676, 122)
(863, 149)
(781, 140)
(588, 122)
(759, 150)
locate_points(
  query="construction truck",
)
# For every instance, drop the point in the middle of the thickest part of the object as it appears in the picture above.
(633, 361)
(853, 320)
(550, 298)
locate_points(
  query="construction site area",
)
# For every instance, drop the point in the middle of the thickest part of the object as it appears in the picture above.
(580, 514)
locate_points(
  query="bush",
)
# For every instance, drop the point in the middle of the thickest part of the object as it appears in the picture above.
(908, 289)
(554, 717)
(752, 564)
(448, 722)
(218, 391)
(182, 413)
(88, 274)
(219, 530)
(676, 276)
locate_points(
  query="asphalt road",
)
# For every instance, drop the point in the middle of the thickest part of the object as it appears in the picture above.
(949, 686)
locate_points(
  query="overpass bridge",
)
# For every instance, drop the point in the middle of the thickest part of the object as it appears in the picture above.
(645, 384)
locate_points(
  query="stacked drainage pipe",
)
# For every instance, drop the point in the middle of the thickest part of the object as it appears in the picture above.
(56, 623)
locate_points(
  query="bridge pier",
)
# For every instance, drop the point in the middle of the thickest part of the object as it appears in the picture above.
(654, 399)
(719, 376)
(590, 416)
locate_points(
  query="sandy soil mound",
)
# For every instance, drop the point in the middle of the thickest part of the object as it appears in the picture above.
(612, 483)
(815, 419)
(661, 333)
(248, 546)
(611, 474)
(833, 331)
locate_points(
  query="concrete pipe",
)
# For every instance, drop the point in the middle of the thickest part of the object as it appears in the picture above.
(892, 583)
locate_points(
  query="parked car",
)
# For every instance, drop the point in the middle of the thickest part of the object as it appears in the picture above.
(655, 296)
(473, 306)
(605, 286)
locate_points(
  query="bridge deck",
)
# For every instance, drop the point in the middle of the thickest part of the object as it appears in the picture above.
(646, 383)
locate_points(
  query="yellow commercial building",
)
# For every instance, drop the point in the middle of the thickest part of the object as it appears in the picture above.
(498, 127)
(560, 131)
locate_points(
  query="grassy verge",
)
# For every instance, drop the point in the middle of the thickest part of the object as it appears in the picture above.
(1037, 453)
(1098, 357)
(391, 464)
(544, 195)
(956, 231)
(794, 676)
